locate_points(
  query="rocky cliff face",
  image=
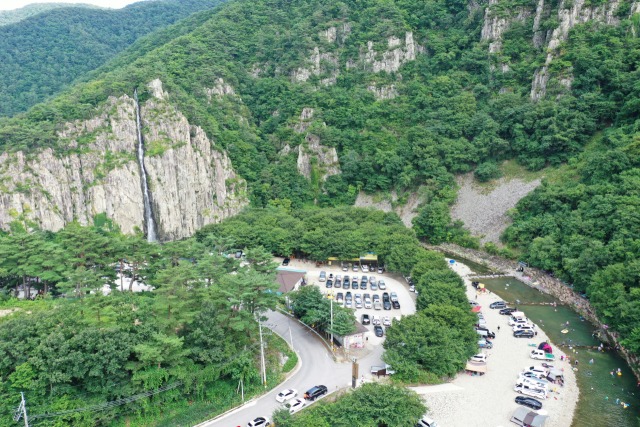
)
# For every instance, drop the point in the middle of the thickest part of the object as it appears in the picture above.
(190, 179)
(569, 13)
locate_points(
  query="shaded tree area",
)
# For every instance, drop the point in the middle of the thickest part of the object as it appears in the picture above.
(86, 339)
(42, 55)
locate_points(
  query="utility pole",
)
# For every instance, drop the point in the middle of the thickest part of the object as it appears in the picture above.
(22, 411)
(291, 336)
(332, 352)
(264, 374)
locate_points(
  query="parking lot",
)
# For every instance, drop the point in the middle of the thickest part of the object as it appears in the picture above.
(394, 283)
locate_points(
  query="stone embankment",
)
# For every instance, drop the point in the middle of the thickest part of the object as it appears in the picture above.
(537, 279)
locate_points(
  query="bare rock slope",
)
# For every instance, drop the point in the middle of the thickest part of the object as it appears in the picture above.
(484, 214)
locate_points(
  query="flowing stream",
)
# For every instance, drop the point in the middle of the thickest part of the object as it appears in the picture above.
(148, 215)
(597, 406)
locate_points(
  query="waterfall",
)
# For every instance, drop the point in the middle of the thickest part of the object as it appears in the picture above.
(148, 215)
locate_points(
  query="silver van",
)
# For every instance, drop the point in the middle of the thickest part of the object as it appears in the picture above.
(483, 343)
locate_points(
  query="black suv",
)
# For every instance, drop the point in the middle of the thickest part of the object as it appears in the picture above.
(508, 310)
(523, 334)
(329, 283)
(365, 319)
(499, 304)
(315, 392)
(386, 302)
(527, 401)
(378, 330)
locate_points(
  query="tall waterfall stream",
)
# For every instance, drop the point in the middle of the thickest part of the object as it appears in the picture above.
(151, 232)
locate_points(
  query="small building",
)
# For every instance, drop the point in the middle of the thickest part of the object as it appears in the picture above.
(356, 339)
(290, 280)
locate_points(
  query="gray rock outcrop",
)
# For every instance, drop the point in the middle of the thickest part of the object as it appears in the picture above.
(191, 180)
(392, 59)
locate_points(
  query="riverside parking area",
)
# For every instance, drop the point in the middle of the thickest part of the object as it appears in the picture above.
(394, 283)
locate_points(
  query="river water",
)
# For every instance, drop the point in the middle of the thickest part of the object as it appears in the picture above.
(593, 409)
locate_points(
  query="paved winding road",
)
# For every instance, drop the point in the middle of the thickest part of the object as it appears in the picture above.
(317, 368)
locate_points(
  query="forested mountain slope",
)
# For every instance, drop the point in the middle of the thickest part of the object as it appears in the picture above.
(314, 101)
(41, 55)
(16, 15)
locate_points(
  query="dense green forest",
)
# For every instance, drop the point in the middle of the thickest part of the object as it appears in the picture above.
(16, 15)
(74, 346)
(41, 56)
(452, 109)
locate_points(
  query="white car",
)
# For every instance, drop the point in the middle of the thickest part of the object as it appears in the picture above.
(381, 285)
(260, 422)
(367, 302)
(523, 327)
(533, 382)
(365, 268)
(323, 276)
(412, 288)
(530, 391)
(426, 422)
(386, 321)
(537, 369)
(286, 394)
(355, 267)
(372, 280)
(517, 320)
(295, 405)
(375, 320)
(358, 301)
(394, 296)
(479, 358)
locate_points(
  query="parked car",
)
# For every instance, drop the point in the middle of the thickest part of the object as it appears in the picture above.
(480, 357)
(364, 279)
(315, 392)
(523, 327)
(295, 405)
(374, 287)
(485, 333)
(367, 301)
(529, 402)
(346, 284)
(530, 391)
(366, 320)
(386, 321)
(533, 382)
(363, 285)
(286, 394)
(348, 300)
(378, 330)
(372, 279)
(345, 267)
(260, 422)
(542, 355)
(323, 276)
(498, 304)
(537, 369)
(426, 422)
(473, 303)
(393, 296)
(375, 320)
(339, 297)
(507, 310)
(358, 299)
(355, 267)
(365, 268)
(376, 303)
(337, 283)
(523, 334)
(412, 288)
(483, 343)
(386, 303)
(381, 285)
(395, 305)
(285, 261)
(380, 269)
(329, 283)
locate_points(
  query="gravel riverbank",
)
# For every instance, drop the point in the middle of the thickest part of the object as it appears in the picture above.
(488, 400)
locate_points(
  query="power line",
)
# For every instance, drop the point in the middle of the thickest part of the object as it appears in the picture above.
(109, 405)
